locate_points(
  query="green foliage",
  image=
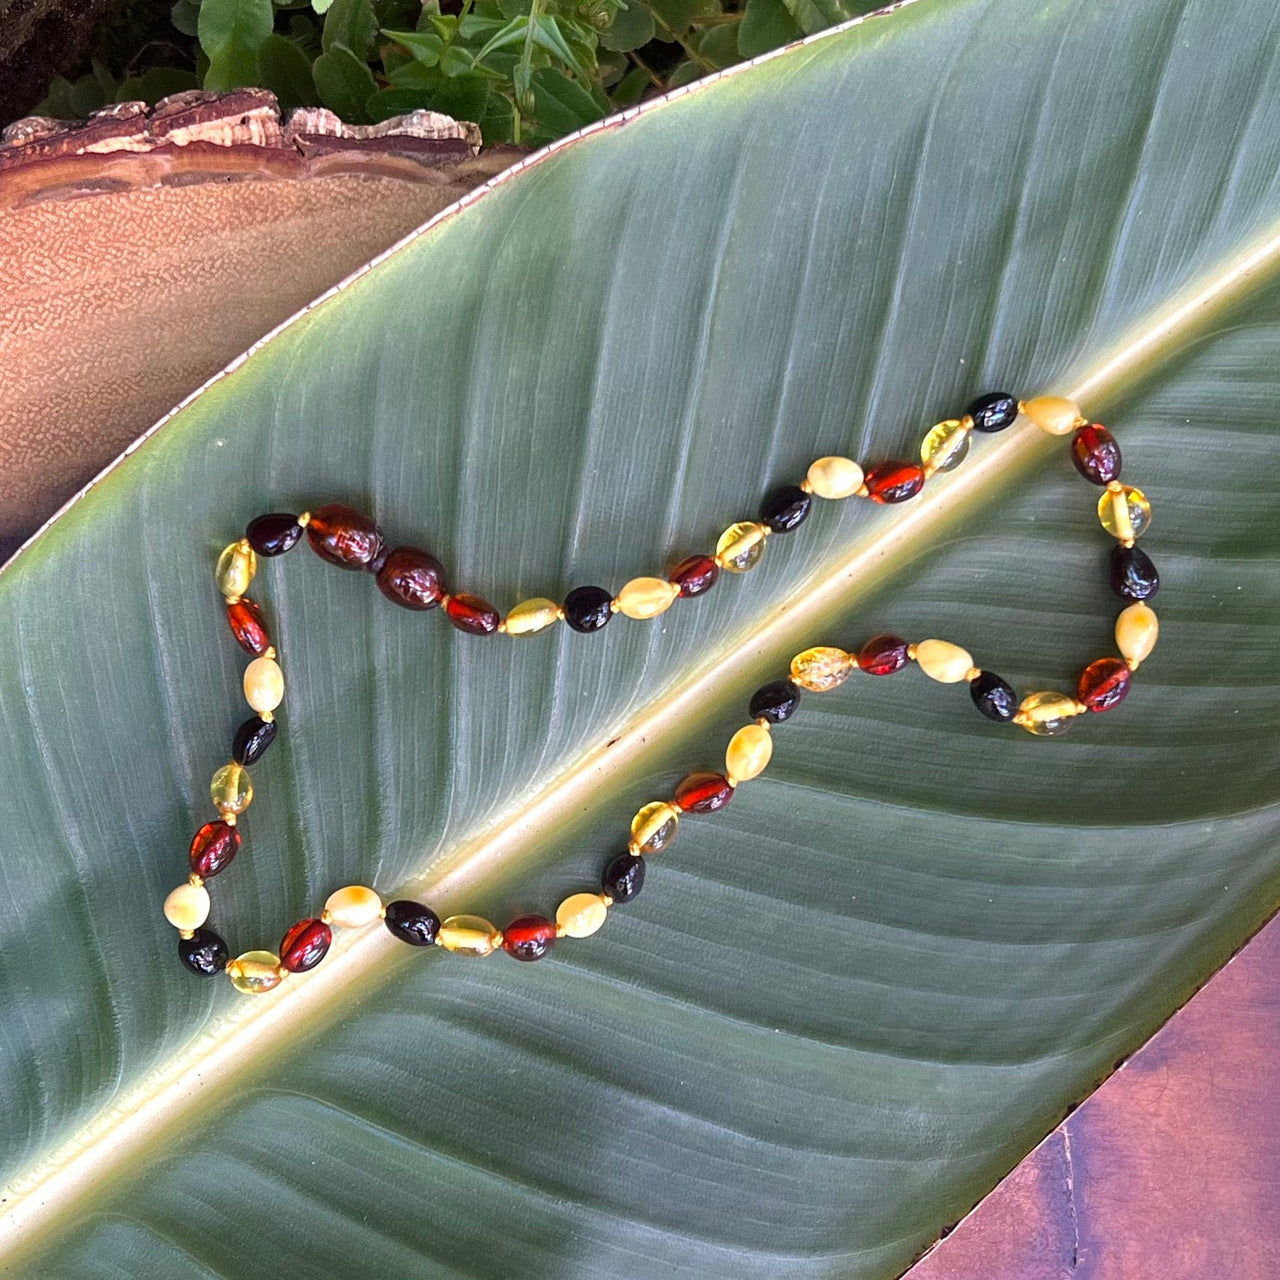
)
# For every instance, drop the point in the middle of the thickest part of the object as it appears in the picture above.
(525, 70)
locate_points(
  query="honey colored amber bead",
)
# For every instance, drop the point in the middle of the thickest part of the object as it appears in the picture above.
(1137, 629)
(187, 907)
(255, 972)
(748, 753)
(1125, 512)
(646, 597)
(741, 545)
(353, 906)
(943, 661)
(231, 790)
(531, 616)
(946, 445)
(821, 668)
(468, 936)
(655, 826)
(247, 625)
(1055, 415)
(235, 569)
(581, 914)
(263, 684)
(835, 477)
(703, 792)
(1104, 684)
(1047, 713)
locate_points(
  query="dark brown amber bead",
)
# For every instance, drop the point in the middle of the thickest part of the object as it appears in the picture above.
(993, 412)
(1104, 684)
(883, 655)
(704, 793)
(411, 922)
(213, 848)
(529, 938)
(343, 536)
(204, 952)
(1096, 454)
(247, 625)
(695, 575)
(274, 534)
(588, 608)
(1133, 574)
(252, 740)
(305, 945)
(623, 878)
(471, 614)
(412, 578)
(786, 508)
(894, 481)
(775, 702)
(994, 697)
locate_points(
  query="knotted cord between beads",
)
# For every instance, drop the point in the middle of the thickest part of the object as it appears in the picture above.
(415, 579)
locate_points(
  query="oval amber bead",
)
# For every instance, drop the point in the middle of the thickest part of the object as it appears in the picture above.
(230, 789)
(252, 739)
(187, 906)
(1055, 415)
(213, 849)
(646, 597)
(704, 792)
(891, 482)
(883, 655)
(411, 922)
(1047, 713)
(473, 615)
(468, 936)
(1137, 629)
(248, 626)
(1133, 575)
(785, 508)
(235, 569)
(623, 878)
(655, 826)
(1096, 454)
(411, 578)
(344, 536)
(1104, 684)
(740, 546)
(204, 952)
(581, 914)
(274, 533)
(946, 445)
(255, 972)
(1124, 512)
(529, 938)
(588, 608)
(821, 668)
(531, 616)
(748, 753)
(943, 661)
(263, 684)
(835, 477)
(305, 945)
(776, 701)
(695, 574)
(994, 697)
(352, 907)
(993, 412)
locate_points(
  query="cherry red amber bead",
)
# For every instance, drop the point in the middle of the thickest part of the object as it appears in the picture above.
(1096, 454)
(273, 534)
(695, 575)
(529, 938)
(883, 655)
(213, 848)
(894, 481)
(412, 578)
(704, 793)
(1104, 684)
(247, 625)
(305, 945)
(471, 614)
(343, 536)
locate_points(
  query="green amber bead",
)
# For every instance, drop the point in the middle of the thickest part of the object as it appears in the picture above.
(231, 790)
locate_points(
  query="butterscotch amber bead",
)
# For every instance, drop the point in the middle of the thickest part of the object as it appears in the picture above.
(835, 477)
(187, 906)
(1046, 713)
(740, 546)
(748, 753)
(646, 597)
(1137, 629)
(531, 616)
(946, 445)
(343, 536)
(1124, 512)
(263, 684)
(248, 626)
(1055, 415)
(468, 936)
(235, 569)
(255, 972)
(231, 790)
(943, 661)
(655, 826)
(353, 906)
(581, 914)
(821, 668)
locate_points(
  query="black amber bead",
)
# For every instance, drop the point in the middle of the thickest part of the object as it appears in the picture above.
(994, 697)
(775, 702)
(785, 509)
(204, 952)
(623, 878)
(588, 608)
(413, 923)
(274, 534)
(1133, 576)
(993, 412)
(252, 740)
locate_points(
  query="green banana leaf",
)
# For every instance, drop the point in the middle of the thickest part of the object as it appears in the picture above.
(846, 1005)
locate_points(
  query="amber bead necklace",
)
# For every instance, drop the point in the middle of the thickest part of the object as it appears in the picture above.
(415, 580)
